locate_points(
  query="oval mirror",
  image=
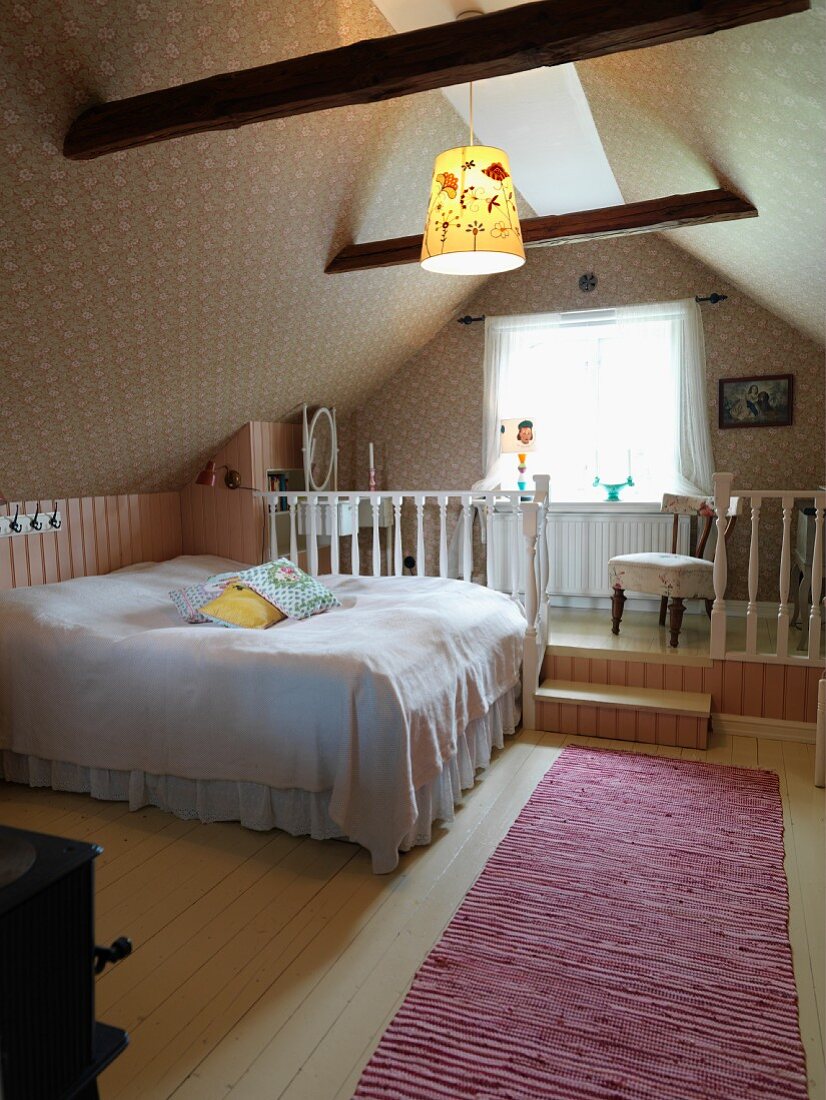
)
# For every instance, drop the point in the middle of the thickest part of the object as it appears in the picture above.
(322, 445)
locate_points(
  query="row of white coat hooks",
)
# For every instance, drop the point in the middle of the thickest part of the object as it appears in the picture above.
(29, 523)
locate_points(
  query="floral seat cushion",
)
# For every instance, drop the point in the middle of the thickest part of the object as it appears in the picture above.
(676, 575)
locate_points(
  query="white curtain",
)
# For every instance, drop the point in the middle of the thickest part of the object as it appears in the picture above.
(692, 462)
(652, 359)
(507, 340)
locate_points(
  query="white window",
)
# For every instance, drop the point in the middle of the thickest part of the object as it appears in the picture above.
(612, 393)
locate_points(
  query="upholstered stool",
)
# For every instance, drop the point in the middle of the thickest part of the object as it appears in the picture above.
(673, 577)
(677, 577)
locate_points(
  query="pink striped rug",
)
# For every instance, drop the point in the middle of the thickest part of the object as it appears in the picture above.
(626, 941)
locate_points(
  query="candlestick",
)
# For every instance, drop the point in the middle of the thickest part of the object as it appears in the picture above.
(372, 461)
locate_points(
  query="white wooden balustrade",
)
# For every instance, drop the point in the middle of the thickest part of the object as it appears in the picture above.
(754, 499)
(323, 519)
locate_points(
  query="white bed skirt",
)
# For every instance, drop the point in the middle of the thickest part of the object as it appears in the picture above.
(256, 806)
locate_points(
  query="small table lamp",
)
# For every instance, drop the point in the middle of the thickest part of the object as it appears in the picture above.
(518, 437)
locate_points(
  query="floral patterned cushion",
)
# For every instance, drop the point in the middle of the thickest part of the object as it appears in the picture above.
(686, 506)
(700, 506)
(675, 575)
(289, 588)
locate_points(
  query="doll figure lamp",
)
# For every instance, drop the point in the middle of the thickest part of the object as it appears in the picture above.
(518, 437)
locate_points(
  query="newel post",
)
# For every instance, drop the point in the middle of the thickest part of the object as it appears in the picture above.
(530, 657)
(542, 497)
(722, 498)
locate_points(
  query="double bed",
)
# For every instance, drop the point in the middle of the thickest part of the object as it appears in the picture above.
(365, 722)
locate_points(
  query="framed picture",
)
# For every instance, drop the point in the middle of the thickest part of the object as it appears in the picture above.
(764, 401)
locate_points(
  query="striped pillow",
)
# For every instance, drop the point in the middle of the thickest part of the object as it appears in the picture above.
(191, 599)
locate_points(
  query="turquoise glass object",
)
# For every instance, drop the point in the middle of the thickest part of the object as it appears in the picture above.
(613, 490)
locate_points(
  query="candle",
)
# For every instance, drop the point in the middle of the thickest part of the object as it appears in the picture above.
(372, 462)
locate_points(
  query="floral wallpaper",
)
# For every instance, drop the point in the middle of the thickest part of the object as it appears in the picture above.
(745, 109)
(153, 301)
(426, 422)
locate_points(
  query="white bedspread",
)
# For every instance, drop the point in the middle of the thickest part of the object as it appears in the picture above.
(366, 701)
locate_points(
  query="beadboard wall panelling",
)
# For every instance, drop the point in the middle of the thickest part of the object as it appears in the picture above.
(787, 692)
(274, 446)
(230, 522)
(426, 422)
(98, 535)
(623, 724)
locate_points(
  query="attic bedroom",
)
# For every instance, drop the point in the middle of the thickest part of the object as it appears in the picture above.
(412, 576)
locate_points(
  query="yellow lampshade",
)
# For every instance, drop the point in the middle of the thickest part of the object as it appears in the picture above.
(472, 225)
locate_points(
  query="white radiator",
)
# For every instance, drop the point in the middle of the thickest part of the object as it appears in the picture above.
(580, 544)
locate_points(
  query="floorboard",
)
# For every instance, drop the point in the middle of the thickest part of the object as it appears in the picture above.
(266, 967)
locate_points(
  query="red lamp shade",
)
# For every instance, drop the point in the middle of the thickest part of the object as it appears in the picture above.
(207, 475)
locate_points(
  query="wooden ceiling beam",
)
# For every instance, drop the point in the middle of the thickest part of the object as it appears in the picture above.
(546, 32)
(650, 216)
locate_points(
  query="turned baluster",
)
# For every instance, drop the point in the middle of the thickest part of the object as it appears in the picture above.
(421, 564)
(784, 609)
(515, 554)
(467, 538)
(332, 504)
(442, 499)
(312, 536)
(398, 563)
(292, 502)
(375, 502)
(754, 570)
(489, 550)
(722, 498)
(355, 563)
(817, 582)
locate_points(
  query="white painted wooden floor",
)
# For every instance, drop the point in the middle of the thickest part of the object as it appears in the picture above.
(640, 632)
(267, 966)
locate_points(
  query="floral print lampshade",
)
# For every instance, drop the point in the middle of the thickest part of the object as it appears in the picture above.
(472, 225)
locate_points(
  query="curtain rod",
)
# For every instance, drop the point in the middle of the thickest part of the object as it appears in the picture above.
(712, 298)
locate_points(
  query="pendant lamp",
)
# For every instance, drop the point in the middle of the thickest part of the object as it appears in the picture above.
(472, 225)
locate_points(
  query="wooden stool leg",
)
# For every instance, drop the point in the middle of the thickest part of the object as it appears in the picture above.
(675, 619)
(617, 604)
(663, 606)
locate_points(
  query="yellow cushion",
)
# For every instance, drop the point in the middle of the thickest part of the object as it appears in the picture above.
(240, 606)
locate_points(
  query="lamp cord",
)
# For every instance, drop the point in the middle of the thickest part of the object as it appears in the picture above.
(471, 112)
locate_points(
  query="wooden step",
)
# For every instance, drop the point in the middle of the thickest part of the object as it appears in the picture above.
(696, 704)
(648, 715)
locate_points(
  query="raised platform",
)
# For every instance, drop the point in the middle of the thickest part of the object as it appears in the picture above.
(575, 628)
(635, 687)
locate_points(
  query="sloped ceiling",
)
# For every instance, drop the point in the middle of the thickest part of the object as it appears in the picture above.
(745, 108)
(153, 301)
